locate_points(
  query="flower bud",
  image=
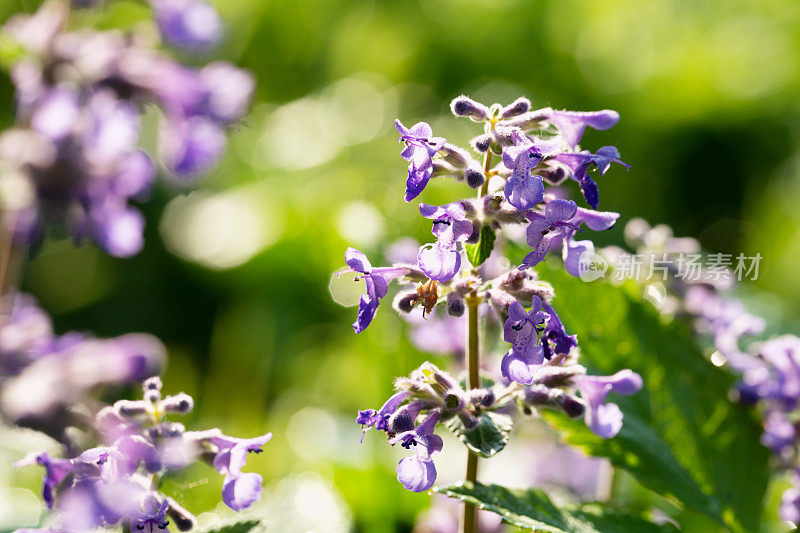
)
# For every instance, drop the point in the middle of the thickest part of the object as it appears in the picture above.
(152, 396)
(469, 420)
(517, 107)
(557, 376)
(180, 403)
(464, 106)
(130, 408)
(506, 136)
(455, 155)
(404, 301)
(482, 397)
(481, 143)
(455, 304)
(182, 518)
(474, 177)
(152, 383)
(538, 395)
(571, 405)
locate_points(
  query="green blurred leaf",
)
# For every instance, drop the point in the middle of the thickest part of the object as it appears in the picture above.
(533, 509)
(488, 437)
(245, 526)
(682, 436)
(478, 253)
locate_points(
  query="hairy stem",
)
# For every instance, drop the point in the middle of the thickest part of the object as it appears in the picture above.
(12, 260)
(469, 518)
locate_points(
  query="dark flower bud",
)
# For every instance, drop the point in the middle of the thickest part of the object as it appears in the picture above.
(571, 405)
(482, 397)
(180, 403)
(557, 376)
(152, 396)
(530, 120)
(538, 395)
(130, 408)
(443, 168)
(455, 304)
(553, 174)
(476, 233)
(464, 106)
(517, 107)
(474, 177)
(153, 383)
(401, 421)
(182, 518)
(173, 429)
(404, 301)
(482, 142)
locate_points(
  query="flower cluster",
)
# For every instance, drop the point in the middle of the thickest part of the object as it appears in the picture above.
(118, 481)
(43, 375)
(73, 159)
(463, 272)
(769, 369)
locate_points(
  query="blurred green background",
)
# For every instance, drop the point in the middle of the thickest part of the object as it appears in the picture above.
(234, 276)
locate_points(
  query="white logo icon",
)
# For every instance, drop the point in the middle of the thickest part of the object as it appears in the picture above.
(591, 266)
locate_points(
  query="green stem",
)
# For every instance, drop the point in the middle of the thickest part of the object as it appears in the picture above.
(469, 519)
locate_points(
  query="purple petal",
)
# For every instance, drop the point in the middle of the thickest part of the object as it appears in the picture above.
(240, 492)
(572, 124)
(193, 146)
(417, 181)
(560, 210)
(572, 252)
(595, 220)
(524, 192)
(357, 261)
(520, 368)
(190, 24)
(439, 263)
(415, 474)
(605, 420)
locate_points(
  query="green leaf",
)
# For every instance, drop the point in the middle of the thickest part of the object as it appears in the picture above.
(488, 437)
(245, 526)
(478, 253)
(682, 436)
(533, 509)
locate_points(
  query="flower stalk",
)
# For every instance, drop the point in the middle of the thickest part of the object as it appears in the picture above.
(469, 518)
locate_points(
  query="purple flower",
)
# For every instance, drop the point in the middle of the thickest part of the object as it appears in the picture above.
(239, 489)
(580, 162)
(572, 124)
(154, 520)
(555, 339)
(522, 190)
(55, 471)
(790, 505)
(420, 148)
(192, 146)
(442, 261)
(547, 226)
(779, 433)
(377, 281)
(380, 419)
(116, 229)
(418, 473)
(605, 419)
(229, 90)
(56, 113)
(522, 329)
(190, 24)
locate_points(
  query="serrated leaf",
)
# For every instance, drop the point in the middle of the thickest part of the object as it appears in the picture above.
(478, 253)
(533, 509)
(488, 437)
(245, 526)
(681, 435)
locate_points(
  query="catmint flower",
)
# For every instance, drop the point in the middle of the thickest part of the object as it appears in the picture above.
(370, 418)
(779, 433)
(154, 520)
(579, 163)
(555, 339)
(190, 24)
(418, 473)
(464, 106)
(522, 329)
(421, 146)
(547, 226)
(522, 190)
(455, 304)
(442, 260)
(377, 282)
(605, 419)
(572, 124)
